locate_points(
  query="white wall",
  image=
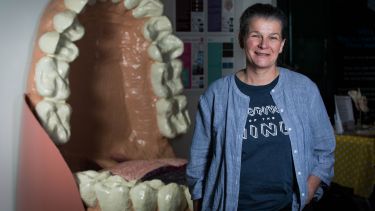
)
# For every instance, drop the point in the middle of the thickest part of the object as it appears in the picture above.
(18, 21)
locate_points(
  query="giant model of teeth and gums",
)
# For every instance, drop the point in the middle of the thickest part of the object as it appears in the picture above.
(103, 99)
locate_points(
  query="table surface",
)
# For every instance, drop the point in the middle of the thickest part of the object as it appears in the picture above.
(355, 163)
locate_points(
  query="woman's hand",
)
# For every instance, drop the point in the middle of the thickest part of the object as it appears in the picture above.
(313, 183)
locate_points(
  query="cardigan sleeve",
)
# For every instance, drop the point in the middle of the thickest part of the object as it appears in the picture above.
(323, 139)
(199, 151)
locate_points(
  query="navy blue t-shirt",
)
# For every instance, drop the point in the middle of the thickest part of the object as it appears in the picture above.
(266, 164)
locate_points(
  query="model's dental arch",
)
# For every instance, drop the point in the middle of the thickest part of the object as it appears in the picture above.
(150, 96)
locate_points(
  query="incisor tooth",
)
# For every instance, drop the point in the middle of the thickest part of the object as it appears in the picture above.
(171, 198)
(51, 78)
(171, 46)
(75, 5)
(159, 73)
(130, 4)
(55, 118)
(66, 23)
(156, 28)
(143, 197)
(112, 194)
(148, 8)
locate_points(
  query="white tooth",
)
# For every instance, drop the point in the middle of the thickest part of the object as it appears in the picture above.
(51, 78)
(52, 43)
(86, 182)
(165, 108)
(102, 175)
(75, 5)
(171, 198)
(49, 41)
(75, 31)
(180, 120)
(175, 84)
(159, 75)
(148, 8)
(63, 20)
(171, 46)
(55, 119)
(66, 23)
(112, 194)
(155, 183)
(188, 197)
(116, 1)
(130, 4)
(67, 51)
(143, 197)
(154, 52)
(156, 28)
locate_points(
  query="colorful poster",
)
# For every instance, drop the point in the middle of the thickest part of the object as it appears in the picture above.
(193, 63)
(227, 16)
(220, 15)
(189, 16)
(220, 57)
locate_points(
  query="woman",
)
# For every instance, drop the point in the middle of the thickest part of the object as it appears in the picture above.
(262, 138)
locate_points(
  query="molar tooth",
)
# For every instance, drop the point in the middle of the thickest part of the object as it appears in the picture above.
(86, 184)
(52, 43)
(159, 73)
(143, 197)
(67, 51)
(112, 194)
(165, 108)
(154, 52)
(156, 28)
(188, 197)
(66, 22)
(55, 119)
(51, 78)
(175, 84)
(181, 120)
(171, 46)
(130, 4)
(75, 5)
(171, 198)
(86, 181)
(148, 8)
(155, 184)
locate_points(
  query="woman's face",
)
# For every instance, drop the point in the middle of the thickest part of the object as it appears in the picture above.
(264, 42)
